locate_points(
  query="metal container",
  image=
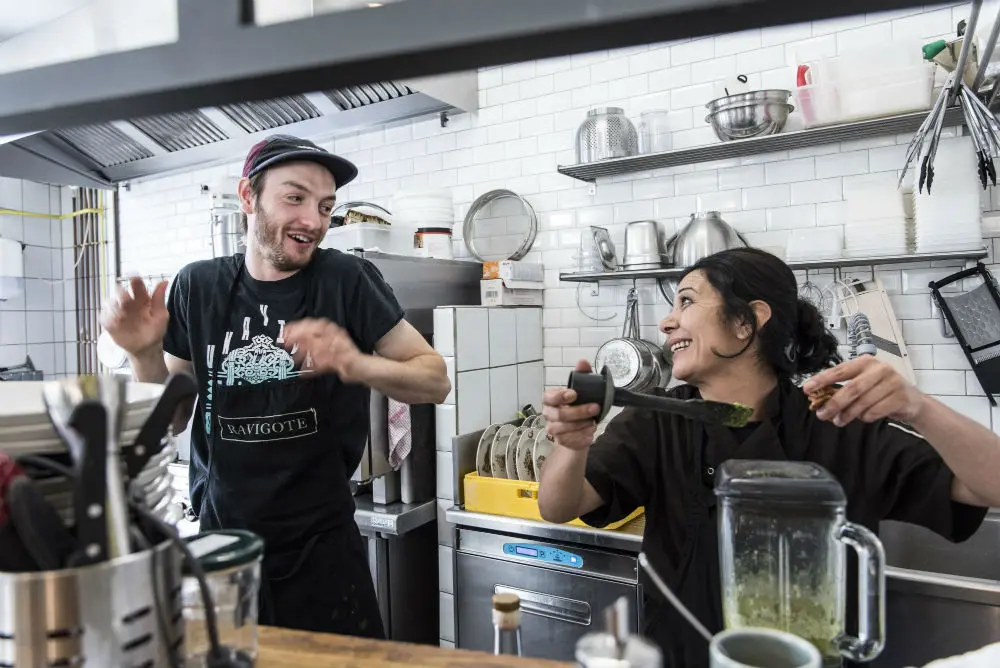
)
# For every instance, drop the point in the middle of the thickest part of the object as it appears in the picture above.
(754, 114)
(606, 133)
(124, 612)
(227, 233)
(642, 245)
(705, 234)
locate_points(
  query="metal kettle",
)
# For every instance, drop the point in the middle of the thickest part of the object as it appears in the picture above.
(705, 234)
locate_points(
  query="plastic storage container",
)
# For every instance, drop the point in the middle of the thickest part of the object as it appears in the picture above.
(394, 239)
(834, 98)
(514, 498)
(231, 560)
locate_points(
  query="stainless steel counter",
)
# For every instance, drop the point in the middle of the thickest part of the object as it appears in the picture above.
(392, 519)
(627, 538)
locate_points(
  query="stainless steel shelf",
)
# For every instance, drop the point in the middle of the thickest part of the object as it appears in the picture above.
(737, 149)
(675, 272)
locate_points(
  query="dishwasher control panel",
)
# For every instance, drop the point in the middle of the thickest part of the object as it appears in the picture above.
(543, 553)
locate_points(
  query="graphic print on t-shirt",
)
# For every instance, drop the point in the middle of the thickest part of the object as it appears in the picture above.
(252, 355)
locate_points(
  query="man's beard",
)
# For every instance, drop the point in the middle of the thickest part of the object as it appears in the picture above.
(270, 239)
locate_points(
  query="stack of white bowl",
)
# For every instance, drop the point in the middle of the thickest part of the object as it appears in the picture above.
(876, 220)
(26, 429)
(949, 218)
(427, 207)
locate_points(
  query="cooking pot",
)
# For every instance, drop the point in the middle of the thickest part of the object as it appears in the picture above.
(634, 363)
(705, 234)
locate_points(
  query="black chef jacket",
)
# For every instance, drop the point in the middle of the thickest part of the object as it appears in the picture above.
(667, 463)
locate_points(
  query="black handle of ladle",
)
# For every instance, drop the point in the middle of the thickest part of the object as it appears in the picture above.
(593, 388)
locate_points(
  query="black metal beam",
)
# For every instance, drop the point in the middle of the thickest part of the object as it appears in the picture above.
(219, 59)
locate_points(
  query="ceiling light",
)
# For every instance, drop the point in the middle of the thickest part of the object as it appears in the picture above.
(375, 4)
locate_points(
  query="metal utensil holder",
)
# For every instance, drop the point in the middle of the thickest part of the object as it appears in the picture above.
(125, 612)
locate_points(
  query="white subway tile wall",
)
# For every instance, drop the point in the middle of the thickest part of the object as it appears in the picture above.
(526, 127)
(41, 322)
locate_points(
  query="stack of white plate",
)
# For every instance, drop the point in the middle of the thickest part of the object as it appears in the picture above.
(423, 208)
(949, 218)
(876, 221)
(25, 429)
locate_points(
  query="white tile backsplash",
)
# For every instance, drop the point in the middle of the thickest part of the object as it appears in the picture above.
(502, 394)
(527, 126)
(502, 337)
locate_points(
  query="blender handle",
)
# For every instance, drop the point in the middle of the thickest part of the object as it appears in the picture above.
(871, 594)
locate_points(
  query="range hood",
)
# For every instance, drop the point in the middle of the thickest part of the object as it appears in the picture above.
(106, 154)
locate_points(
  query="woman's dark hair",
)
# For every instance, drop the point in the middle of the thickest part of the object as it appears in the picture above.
(795, 339)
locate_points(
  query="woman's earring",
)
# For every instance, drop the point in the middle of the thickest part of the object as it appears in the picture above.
(791, 351)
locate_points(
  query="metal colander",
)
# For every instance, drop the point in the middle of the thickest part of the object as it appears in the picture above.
(606, 133)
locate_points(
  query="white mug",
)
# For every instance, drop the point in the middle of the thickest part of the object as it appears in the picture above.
(762, 648)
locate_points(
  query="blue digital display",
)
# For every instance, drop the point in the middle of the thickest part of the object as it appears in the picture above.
(545, 554)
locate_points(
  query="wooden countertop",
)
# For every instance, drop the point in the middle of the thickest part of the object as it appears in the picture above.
(281, 648)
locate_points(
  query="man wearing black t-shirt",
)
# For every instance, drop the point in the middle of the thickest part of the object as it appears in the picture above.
(284, 342)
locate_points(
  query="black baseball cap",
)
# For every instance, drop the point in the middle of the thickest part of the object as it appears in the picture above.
(278, 149)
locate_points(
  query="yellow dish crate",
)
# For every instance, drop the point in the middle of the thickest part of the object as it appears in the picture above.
(515, 498)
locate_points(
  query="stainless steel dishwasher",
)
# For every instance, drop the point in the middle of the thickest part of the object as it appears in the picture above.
(563, 589)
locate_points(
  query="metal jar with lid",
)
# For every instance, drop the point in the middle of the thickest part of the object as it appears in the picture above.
(231, 560)
(606, 133)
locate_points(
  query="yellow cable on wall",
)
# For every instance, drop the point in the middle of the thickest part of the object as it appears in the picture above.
(55, 216)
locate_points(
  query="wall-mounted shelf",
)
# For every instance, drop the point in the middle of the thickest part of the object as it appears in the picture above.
(675, 272)
(831, 134)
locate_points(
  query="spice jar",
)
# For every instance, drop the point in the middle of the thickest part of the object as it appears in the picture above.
(433, 242)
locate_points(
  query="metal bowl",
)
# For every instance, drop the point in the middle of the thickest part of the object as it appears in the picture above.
(746, 115)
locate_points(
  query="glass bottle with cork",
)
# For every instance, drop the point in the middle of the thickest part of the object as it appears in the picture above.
(507, 624)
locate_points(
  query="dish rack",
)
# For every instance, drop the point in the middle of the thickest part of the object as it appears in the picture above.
(516, 498)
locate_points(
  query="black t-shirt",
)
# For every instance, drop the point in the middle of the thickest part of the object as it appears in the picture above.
(888, 471)
(346, 290)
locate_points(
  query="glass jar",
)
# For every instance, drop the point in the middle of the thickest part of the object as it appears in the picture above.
(782, 537)
(231, 560)
(654, 132)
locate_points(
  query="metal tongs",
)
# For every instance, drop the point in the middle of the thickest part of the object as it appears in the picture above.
(984, 130)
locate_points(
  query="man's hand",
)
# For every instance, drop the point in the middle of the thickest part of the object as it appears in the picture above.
(873, 390)
(137, 321)
(329, 347)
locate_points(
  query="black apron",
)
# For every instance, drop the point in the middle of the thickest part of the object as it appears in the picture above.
(274, 469)
(697, 581)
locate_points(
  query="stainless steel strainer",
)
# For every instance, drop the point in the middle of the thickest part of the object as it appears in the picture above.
(606, 133)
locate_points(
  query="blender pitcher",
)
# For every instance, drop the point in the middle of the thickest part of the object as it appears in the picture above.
(782, 537)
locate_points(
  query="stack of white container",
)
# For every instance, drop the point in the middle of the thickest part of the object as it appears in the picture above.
(423, 208)
(876, 220)
(949, 218)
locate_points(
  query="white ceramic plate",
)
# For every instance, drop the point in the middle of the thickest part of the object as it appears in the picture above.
(543, 448)
(498, 453)
(483, 451)
(510, 465)
(16, 447)
(524, 459)
(21, 402)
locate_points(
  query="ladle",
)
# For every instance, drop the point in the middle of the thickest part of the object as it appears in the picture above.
(593, 388)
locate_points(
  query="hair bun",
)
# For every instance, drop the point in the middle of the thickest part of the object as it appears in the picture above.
(817, 347)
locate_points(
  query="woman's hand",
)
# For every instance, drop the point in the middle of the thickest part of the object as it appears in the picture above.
(570, 426)
(874, 390)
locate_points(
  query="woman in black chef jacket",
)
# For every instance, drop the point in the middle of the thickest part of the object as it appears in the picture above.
(739, 332)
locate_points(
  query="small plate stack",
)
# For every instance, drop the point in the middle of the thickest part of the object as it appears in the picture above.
(876, 221)
(423, 208)
(950, 217)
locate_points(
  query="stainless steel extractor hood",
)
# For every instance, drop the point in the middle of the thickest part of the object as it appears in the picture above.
(105, 154)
